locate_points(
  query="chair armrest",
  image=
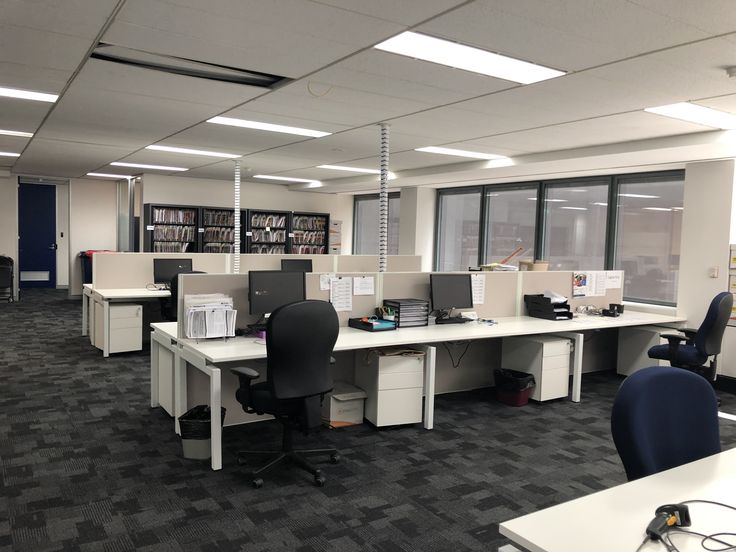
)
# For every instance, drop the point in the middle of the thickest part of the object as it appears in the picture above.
(332, 360)
(674, 338)
(689, 332)
(245, 371)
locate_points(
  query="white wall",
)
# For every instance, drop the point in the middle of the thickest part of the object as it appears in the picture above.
(9, 220)
(92, 222)
(416, 227)
(200, 192)
(62, 235)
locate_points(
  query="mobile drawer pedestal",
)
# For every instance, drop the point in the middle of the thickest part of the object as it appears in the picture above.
(546, 358)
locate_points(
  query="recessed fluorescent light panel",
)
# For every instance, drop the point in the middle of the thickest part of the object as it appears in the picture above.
(656, 209)
(243, 123)
(686, 111)
(154, 167)
(601, 204)
(28, 95)
(468, 58)
(641, 196)
(16, 133)
(460, 153)
(106, 175)
(9, 154)
(549, 200)
(575, 208)
(287, 179)
(349, 169)
(171, 149)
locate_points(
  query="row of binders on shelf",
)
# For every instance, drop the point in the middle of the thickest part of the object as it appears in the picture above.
(308, 222)
(209, 315)
(174, 233)
(219, 218)
(548, 305)
(219, 234)
(164, 215)
(171, 247)
(305, 237)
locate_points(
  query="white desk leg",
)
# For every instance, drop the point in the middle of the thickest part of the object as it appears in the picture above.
(508, 548)
(106, 328)
(429, 368)
(215, 418)
(85, 312)
(180, 388)
(154, 371)
(91, 322)
(577, 362)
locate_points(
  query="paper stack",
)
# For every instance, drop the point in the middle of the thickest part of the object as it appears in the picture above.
(210, 315)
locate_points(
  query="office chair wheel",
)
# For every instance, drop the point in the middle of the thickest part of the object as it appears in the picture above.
(334, 458)
(257, 483)
(241, 461)
(319, 480)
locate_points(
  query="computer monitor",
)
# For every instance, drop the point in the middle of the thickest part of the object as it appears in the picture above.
(296, 265)
(450, 291)
(270, 289)
(165, 269)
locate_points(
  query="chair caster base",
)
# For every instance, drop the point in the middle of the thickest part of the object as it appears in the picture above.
(257, 483)
(319, 480)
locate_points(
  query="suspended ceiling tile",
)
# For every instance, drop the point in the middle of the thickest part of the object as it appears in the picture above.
(150, 157)
(724, 103)
(108, 76)
(43, 49)
(13, 144)
(26, 77)
(65, 158)
(82, 18)
(223, 170)
(408, 160)
(249, 34)
(713, 17)
(23, 115)
(406, 12)
(270, 162)
(569, 34)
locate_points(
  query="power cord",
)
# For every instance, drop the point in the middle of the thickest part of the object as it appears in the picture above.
(460, 358)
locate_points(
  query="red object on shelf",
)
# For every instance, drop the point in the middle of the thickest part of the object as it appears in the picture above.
(514, 398)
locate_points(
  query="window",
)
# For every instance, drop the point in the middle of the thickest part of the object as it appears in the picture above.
(458, 229)
(647, 245)
(575, 225)
(365, 224)
(511, 216)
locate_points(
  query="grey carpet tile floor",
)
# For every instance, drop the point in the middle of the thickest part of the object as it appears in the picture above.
(87, 465)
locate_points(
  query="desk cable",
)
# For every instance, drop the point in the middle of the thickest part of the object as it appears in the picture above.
(456, 364)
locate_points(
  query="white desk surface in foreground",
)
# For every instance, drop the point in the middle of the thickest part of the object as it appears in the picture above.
(614, 520)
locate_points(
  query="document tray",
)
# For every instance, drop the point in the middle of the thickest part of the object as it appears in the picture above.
(372, 325)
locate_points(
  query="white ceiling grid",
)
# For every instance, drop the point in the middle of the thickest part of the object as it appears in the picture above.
(621, 55)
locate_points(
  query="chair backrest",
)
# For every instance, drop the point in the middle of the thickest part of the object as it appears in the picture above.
(664, 417)
(299, 341)
(171, 306)
(710, 333)
(6, 261)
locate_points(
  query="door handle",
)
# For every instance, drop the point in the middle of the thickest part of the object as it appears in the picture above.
(54, 246)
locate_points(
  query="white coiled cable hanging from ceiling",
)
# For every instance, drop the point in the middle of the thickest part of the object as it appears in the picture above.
(383, 202)
(236, 206)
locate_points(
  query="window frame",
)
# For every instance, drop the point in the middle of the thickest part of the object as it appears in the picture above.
(438, 202)
(366, 197)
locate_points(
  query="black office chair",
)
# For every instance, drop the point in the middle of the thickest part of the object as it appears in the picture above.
(170, 305)
(6, 278)
(664, 417)
(700, 344)
(299, 341)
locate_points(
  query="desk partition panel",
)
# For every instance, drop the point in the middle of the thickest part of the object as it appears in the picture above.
(234, 285)
(404, 263)
(561, 282)
(255, 261)
(363, 305)
(135, 270)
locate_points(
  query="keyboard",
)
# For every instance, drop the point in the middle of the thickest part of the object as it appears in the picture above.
(453, 320)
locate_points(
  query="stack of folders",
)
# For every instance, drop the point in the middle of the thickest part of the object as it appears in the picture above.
(210, 315)
(407, 312)
(548, 306)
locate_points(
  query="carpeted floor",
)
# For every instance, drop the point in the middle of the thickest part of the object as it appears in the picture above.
(88, 465)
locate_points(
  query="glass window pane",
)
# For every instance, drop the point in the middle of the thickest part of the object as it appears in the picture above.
(366, 225)
(648, 230)
(575, 225)
(459, 219)
(511, 221)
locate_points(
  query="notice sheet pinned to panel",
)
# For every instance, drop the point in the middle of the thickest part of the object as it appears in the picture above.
(478, 283)
(364, 285)
(341, 294)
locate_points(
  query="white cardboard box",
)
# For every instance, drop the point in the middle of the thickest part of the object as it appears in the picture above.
(344, 406)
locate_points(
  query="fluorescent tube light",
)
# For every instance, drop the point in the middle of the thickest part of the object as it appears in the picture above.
(286, 179)
(106, 175)
(677, 208)
(28, 95)
(550, 200)
(686, 111)
(9, 154)
(193, 151)
(460, 153)
(601, 204)
(468, 58)
(642, 196)
(142, 166)
(349, 169)
(267, 126)
(656, 209)
(575, 208)
(16, 133)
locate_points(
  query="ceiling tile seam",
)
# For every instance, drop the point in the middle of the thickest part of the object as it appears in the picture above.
(440, 14)
(668, 16)
(44, 31)
(74, 74)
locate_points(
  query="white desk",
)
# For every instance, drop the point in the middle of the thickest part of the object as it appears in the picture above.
(106, 296)
(207, 356)
(614, 520)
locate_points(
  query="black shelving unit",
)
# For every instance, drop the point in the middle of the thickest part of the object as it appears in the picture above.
(218, 230)
(309, 233)
(170, 228)
(266, 231)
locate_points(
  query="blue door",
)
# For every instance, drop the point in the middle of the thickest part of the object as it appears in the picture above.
(37, 236)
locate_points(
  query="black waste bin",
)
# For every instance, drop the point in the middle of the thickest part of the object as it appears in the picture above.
(513, 387)
(196, 434)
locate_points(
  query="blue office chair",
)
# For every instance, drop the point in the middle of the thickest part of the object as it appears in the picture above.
(700, 344)
(664, 417)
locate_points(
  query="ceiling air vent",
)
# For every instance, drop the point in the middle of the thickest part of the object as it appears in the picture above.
(186, 67)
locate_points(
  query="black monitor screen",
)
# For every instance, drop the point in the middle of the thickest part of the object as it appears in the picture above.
(165, 269)
(269, 289)
(451, 291)
(296, 265)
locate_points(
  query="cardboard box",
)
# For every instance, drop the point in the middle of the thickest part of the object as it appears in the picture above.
(344, 406)
(533, 265)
